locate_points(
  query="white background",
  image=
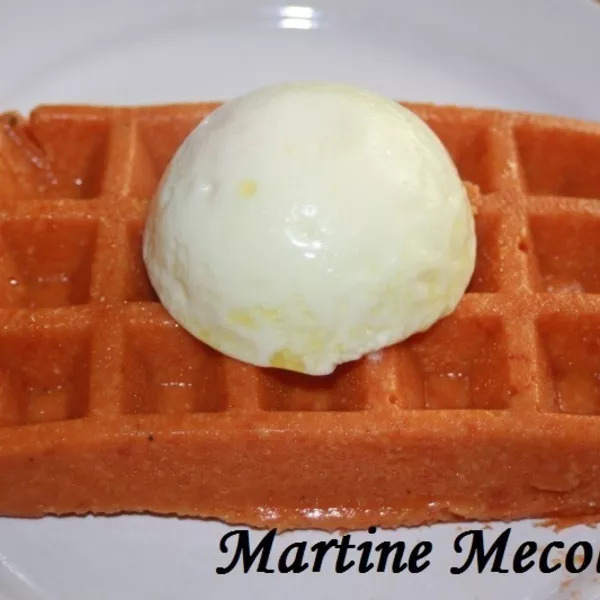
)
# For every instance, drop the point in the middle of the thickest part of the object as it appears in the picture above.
(538, 55)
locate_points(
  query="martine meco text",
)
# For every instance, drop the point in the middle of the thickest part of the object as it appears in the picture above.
(473, 550)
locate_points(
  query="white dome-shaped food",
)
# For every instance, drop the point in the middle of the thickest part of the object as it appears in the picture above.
(305, 225)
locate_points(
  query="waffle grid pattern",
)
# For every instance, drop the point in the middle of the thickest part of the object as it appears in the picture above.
(84, 340)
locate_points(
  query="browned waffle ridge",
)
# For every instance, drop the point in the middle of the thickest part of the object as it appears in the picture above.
(107, 406)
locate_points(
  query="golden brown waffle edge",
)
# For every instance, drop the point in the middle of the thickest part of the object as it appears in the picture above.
(107, 406)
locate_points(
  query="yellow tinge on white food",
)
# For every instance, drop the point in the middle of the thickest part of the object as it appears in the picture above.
(305, 225)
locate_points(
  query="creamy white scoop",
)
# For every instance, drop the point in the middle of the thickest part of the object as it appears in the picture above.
(305, 225)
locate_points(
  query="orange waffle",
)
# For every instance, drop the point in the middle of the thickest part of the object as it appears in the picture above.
(106, 405)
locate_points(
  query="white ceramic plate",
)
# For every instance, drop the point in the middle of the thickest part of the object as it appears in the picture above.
(539, 55)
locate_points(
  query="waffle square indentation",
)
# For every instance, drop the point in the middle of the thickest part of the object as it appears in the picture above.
(463, 364)
(567, 252)
(572, 351)
(138, 286)
(162, 137)
(343, 390)
(468, 140)
(57, 156)
(559, 162)
(485, 278)
(46, 262)
(44, 374)
(166, 370)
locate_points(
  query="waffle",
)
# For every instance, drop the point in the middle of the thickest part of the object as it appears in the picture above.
(107, 406)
